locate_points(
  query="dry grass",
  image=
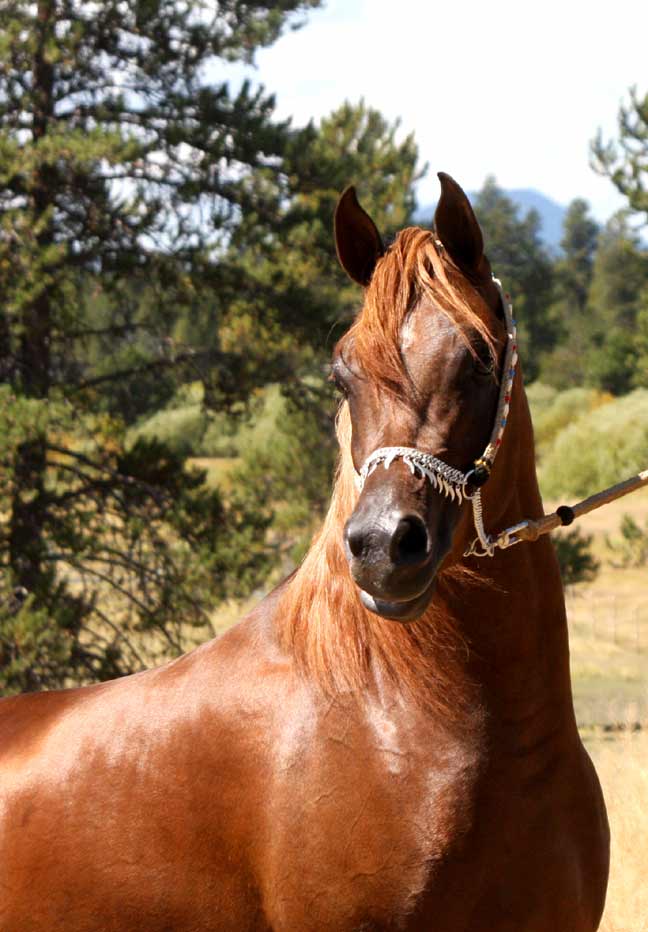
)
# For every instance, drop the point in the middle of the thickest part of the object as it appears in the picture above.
(622, 766)
(608, 625)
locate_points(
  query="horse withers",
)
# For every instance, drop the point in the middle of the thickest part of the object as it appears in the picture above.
(388, 741)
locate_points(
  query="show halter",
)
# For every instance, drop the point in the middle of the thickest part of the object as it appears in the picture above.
(448, 480)
(455, 484)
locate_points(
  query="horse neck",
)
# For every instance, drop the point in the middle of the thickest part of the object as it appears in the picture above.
(509, 609)
(514, 615)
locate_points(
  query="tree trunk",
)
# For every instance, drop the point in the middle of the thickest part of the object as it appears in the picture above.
(26, 544)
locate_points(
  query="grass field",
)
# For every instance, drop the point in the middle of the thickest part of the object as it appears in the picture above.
(622, 766)
(608, 626)
(608, 623)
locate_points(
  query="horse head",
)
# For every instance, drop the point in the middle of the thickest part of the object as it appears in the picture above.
(421, 371)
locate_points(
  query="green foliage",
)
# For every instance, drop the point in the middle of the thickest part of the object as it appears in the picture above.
(520, 261)
(625, 160)
(181, 430)
(619, 277)
(574, 551)
(293, 467)
(564, 365)
(133, 550)
(632, 548)
(221, 437)
(188, 428)
(540, 396)
(33, 651)
(578, 244)
(124, 178)
(598, 448)
(294, 283)
(619, 293)
(552, 410)
(640, 377)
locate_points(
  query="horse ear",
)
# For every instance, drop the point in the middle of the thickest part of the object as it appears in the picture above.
(457, 227)
(357, 239)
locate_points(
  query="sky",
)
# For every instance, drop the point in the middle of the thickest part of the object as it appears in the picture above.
(513, 89)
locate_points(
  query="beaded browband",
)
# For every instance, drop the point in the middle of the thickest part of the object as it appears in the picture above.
(446, 479)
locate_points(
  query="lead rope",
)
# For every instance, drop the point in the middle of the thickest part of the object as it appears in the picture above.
(566, 514)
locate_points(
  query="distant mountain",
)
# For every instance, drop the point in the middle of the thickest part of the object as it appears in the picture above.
(551, 213)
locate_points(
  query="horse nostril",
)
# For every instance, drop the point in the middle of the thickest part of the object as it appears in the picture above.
(410, 541)
(355, 539)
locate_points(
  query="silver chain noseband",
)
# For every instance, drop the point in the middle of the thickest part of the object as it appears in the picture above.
(452, 482)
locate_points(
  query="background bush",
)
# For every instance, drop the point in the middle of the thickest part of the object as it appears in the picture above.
(598, 448)
(577, 562)
(553, 410)
(632, 548)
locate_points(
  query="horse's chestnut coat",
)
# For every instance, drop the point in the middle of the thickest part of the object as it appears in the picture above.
(319, 768)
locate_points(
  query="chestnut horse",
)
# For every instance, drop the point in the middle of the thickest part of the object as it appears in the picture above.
(388, 741)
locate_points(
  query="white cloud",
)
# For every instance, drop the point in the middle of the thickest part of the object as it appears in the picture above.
(513, 89)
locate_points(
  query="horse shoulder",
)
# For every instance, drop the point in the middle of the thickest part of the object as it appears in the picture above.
(142, 800)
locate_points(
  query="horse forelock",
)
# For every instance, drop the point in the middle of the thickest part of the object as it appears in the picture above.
(412, 268)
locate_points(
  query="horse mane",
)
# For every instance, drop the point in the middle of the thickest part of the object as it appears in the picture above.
(335, 641)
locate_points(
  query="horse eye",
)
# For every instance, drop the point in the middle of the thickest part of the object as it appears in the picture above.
(483, 365)
(483, 370)
(339, 384)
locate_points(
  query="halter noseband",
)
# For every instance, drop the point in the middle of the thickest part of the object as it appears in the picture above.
(446, 479)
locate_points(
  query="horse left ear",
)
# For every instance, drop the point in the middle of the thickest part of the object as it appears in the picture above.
(357, 239)
(457, 227)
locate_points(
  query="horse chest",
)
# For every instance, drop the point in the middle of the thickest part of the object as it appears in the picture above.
(397, 825)
(372, 818)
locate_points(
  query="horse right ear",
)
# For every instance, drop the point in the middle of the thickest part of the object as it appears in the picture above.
(357, 239)
(457, 227)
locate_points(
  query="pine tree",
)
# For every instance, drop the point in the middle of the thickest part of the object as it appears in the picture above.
(520, 261)
(578, 244)
(619, 276)
(625, 160)
(124, 177)
(640, 376)
(565, 365)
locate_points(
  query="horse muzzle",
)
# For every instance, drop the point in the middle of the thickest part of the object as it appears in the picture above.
(393, 557)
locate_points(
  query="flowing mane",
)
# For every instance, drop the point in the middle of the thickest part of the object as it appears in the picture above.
(334, 639)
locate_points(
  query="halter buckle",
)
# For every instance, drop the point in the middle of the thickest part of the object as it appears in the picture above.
(479, 474)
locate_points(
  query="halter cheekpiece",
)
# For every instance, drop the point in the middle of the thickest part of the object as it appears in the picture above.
(452, 482)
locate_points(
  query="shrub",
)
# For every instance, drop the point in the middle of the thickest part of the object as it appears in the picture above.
(552, 410)
(574, 550)
(292, 467)
(599, 448)
(180, 429)
(632, 549)
(541, 396)
(220, 438)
